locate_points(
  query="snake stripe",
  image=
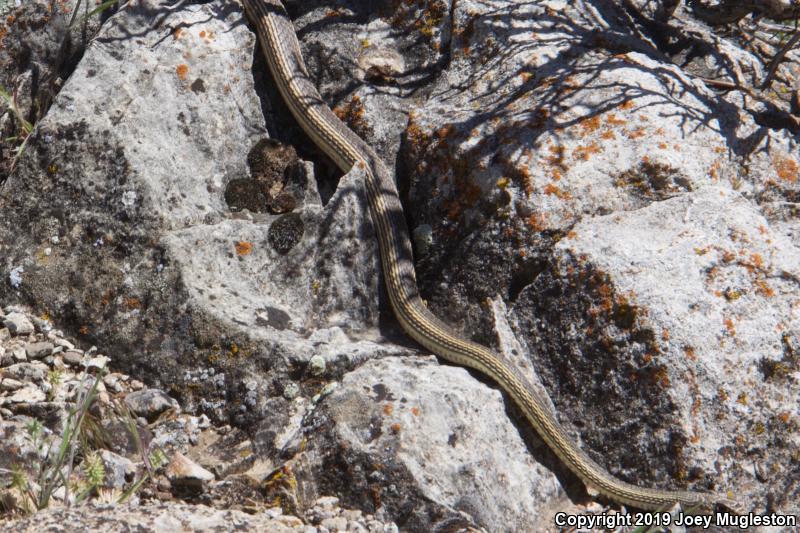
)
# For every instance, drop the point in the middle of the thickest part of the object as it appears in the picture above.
(282, 52)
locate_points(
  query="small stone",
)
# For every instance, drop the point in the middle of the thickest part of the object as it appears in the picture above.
(183, 472)
(423, 238)
(42, 326)
(64, 343)
(327, 502)
(118, 469)
(27, 371)
(28, 394)
(4, 334)
(39, 350)
(9, 384)
(356, 527)
(19, 354)
(150, 403)
(136, 385)
(274, 512)
(96, 363)
(317, 365)
(18, 324)
(291, 391)
(338, 523)
(352, 514)
(112, 382)
(73, 358)
(290, 521)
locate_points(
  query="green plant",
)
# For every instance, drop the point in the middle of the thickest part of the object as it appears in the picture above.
(54, 378)
(11, 102)
(152, 460)
(51, 475)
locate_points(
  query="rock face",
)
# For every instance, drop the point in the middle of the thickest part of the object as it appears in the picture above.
(579, 201)
(432, 430)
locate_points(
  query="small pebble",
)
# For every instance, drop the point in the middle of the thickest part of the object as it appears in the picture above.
(73, 358)
(317, 365)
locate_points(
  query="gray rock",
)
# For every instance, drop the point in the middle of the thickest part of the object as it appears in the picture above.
(338, 523)
(7, 384)
(38, 350)
(433, 446)
(707, 350)
(73, 358)
(19, 354)
(29, 394)
(119, 470)
(559, 184)
(63, 343)
(316, 365)
(140, 219)
(150, 403)
(291, 391)
(18, 324)
(182, 472)
(34, 371)
(96, 363)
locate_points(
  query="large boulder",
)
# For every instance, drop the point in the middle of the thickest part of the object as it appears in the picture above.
(620, 232)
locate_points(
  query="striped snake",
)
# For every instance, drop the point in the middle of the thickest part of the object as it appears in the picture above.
(282, 51)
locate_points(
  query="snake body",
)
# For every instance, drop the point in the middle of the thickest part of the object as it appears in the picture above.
(282, 52)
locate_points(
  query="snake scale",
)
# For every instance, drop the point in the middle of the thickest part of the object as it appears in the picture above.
(282, 52)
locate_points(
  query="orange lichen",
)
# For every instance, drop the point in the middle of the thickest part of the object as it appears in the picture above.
(552, 189)
(661, 378)
(415, 411)
(786, 168)
(612, 120)
(713, 172)
(590, 124)
(537, 222)
(636, 134)
(395, 428)
(729, 325)
(182, 70)
(244, 248)
(763, 288)
(689, 351)
(557, 159)
(584, 152)
(353, 113)
(388, 409)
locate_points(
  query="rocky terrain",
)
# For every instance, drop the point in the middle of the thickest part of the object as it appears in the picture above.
(595, 189)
